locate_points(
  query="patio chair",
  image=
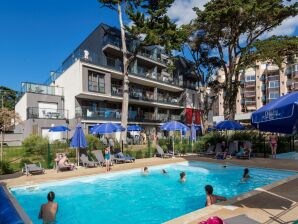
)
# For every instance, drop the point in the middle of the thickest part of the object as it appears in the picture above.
(232, 148)
(161, 153)
(126, 158)
(208, 152)
(86, 162)
(33, 169)
(100, 159)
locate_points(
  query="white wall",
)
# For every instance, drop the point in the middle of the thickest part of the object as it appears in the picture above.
(72, 82)
(21, 107)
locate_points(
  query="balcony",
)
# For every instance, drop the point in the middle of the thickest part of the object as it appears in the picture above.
(46, 113)
(289, 83)
(264, 87)
(249, 93)
(272, 68)
(250, 103)
(110, 114)
(250, 83)
(41, 89)
(273, 78)
(113, 45)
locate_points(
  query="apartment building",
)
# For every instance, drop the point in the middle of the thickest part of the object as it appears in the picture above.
(87, 88)
(259, 85)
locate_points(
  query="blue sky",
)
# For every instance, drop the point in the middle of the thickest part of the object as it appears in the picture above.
(36, 36)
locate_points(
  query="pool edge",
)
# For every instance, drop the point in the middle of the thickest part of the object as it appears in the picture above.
(195, 215)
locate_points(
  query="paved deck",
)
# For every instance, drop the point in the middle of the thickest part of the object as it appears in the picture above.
(276, 203)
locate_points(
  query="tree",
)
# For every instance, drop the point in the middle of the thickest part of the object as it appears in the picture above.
(7, 119)
(231, 28)
(150, 26)
(205, 67)
(8, 97)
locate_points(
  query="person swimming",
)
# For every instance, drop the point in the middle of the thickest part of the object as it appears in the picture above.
(246, 175)
(163, 171)
(210, 197)
(145, 170)
(49, 210)
(182, 177)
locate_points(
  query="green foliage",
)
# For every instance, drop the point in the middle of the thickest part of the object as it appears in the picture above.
(93, 142)
(9, 97)
(5, 168)
(139, 154)
(35, 145)
(23, 161)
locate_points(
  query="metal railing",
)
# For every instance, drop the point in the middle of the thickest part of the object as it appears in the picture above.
(46, 113)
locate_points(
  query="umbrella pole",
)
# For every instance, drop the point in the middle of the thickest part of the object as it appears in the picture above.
(174, 146)
(77, 152)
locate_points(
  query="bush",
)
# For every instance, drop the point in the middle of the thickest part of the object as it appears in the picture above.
(139, 154)
(35, 144)
(5, 168)
(23, 161)
(92, 142)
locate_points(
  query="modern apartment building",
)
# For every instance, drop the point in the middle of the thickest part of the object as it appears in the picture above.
(259, 85)
(87, 88)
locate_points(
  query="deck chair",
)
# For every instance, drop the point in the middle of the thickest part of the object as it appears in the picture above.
(126, 158)
(33, 169)
(100, 159)
(86, 162)
(232, 148)
(208, 152)
(161, 153)
(247, 155)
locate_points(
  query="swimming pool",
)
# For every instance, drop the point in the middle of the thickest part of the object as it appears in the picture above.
(128, 197)
(288, 155)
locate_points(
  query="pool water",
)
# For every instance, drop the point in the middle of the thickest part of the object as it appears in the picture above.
(129, 197)
(288, 155)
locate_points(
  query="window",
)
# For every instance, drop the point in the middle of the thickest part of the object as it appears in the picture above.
(273, 84)
(48, 110)
(273, 95)
(250, 78)
(96, 82)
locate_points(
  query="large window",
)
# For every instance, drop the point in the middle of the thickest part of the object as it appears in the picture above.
(96, 82)
(273, 84)
(273, 95)
(250, 78)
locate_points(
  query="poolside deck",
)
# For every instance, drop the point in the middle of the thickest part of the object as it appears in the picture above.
(276, 203)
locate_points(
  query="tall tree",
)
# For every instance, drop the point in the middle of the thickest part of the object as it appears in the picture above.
(232, 27)
(8, 97)
(150, 26)
(205, 67)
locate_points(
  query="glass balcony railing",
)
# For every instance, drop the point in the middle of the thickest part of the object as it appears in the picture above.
(41, 89)
(46, 113)
(93, 113)
(250, 103)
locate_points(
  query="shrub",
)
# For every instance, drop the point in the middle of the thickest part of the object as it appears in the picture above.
(35, 144)
(139, 154)
(23, 161)
(92, 142)
(5, 168)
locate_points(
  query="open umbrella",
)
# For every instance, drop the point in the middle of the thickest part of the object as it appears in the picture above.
(134, 128)
(78, 140)
(174, 126)
(280, 115)
(59, 129)
(107, 128)
(228, 125)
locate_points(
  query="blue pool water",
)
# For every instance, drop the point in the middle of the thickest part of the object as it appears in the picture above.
(129, 197)
(288, 155)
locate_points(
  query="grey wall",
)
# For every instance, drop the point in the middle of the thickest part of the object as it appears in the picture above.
(107, 79)
(33, 99)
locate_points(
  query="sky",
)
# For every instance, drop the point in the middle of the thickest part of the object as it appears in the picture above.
(36, 36)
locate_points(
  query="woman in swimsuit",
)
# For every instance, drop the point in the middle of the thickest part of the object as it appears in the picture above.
(273, 144)
(210, 197)
(107, 158)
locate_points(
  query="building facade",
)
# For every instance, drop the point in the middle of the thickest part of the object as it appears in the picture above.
(259, 85)
(87, 88)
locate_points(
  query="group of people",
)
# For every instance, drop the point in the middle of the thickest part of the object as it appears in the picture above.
(49, 210)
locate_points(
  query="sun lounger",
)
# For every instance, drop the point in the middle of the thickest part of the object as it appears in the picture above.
(161, 153)
(208, 152)
(126, 158)
(101, 160)
(86, 162)
(32, 169)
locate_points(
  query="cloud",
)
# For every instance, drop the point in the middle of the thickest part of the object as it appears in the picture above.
(288, 27)
(182, 10)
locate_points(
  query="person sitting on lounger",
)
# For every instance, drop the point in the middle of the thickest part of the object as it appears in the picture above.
(63, 162)
(246, 175)
(49, 210)
(210, 197)
(241, 151)
(145, 171)
(182, 177)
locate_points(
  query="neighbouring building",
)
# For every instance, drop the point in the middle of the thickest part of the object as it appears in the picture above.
(259, 85)
(87, 88)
